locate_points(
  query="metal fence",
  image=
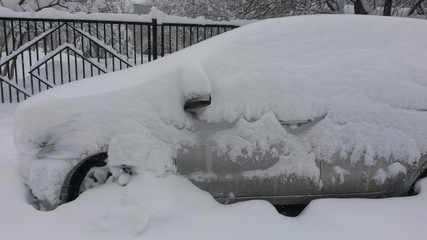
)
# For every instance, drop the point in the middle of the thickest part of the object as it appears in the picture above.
(37, 54)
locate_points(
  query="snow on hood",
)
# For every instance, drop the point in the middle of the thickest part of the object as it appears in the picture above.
(366, 74)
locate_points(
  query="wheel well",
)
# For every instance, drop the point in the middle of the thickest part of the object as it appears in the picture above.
(421, 173)
(71, 187)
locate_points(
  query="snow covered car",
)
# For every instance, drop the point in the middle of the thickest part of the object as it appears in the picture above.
(285, 110)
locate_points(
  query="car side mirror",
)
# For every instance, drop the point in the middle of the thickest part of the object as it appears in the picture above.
(195, 103)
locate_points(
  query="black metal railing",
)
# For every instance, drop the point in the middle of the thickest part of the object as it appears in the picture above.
(38, 53)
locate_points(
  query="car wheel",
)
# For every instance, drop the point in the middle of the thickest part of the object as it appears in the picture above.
(413, 190)
(88, 173)
(290, 210)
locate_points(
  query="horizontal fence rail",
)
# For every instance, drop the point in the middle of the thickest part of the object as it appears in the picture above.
(37, 53)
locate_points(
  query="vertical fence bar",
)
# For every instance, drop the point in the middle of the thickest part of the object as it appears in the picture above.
(105, 41)
(114, 62)
(134, 44)
(10, 94)
(119, 40)
(105, 32)
(61, 68)
(105, 59)
(37, 53)
(68, 63)
(127, 41)
(5, 37)
(51, 36)
(120, 43)
(17, 93)
(154, 38)
(176, 39)
(149, 37)
(12, 29)
(74, 34)
(67, 38)
(59, 34)
(1, 91)
(90, 41)
(83, 65)
(51, 49)
(76, 67)
(197, 34)
(90, 48)
(141, 51)
(91, 69)
(112, 36)
(15, 59)
(30, 57)
(170, 39)
(83, 38)
(97, 46)
(45, 50)
(21, 40)
(183, 36)
(191, 35)
(162, 40)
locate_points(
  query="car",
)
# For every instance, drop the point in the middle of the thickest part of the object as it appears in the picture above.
(286, 110)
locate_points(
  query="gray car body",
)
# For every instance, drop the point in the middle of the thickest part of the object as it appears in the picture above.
(223, 178)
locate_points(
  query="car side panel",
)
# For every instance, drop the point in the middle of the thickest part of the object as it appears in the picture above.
(224, 178)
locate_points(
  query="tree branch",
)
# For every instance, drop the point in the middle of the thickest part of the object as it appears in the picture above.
(414, 8)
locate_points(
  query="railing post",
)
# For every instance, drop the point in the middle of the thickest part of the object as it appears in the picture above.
(162, 38)
(154, 22)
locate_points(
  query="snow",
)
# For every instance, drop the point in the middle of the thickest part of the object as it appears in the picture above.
(393, 171)
(341, 172)
(194, 81)
(149, 207)
(364, 75)
(154, 13)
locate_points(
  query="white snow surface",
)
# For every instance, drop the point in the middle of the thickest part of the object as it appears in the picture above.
(172, 208)
(366, 75)
(154, 13)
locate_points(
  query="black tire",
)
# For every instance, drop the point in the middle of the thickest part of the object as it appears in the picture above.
(412, 190)
(290, 210)
(71, 187)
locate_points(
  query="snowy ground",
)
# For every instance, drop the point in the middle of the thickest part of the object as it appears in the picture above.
(172, 208)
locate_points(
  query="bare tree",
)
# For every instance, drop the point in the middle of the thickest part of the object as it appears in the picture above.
(388, 4)
(418, 7)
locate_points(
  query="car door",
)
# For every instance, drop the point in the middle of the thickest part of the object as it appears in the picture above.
(223, 165)
(387, 177)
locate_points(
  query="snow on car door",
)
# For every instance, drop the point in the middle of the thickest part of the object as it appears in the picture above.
(249, 159)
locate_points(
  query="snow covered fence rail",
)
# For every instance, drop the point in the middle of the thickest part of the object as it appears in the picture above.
(29, 43)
